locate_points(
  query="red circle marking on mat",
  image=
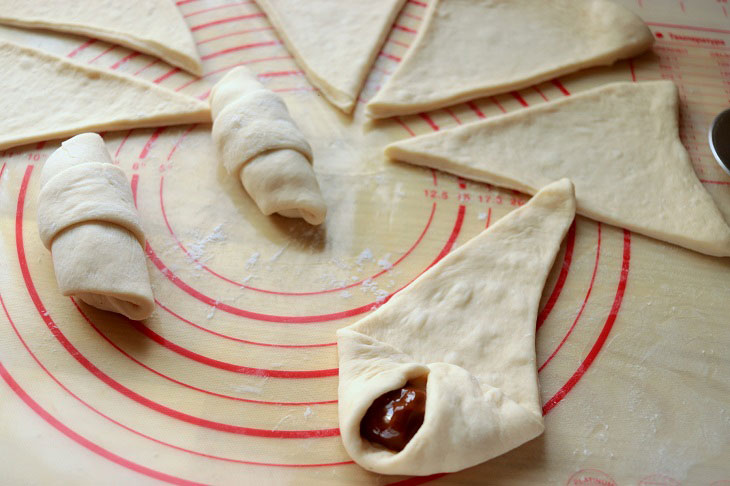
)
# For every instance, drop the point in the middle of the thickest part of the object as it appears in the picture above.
(560, 283)
(588, 361)
(582, 307)
(318, 292)
(79, 439)
(166, 444)
(178, 382)
(222, 365)
(109, 381)
(231, 338)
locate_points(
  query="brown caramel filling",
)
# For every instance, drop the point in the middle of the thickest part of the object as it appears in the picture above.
(395, 417)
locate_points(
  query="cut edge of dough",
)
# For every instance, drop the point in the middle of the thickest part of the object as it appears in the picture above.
(377, 109)
(199, 111)
(184, 60)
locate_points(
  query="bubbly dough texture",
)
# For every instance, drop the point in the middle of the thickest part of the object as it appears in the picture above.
(153, 27)
(472, 48)
(259, 143)
(87, 218)
(468, 323)
(334, 41)
(620, 145)
(47, 97)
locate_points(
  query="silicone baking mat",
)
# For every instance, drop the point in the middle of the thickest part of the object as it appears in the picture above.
(234, 378)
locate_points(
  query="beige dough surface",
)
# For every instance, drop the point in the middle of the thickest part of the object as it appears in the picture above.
(87, 218)
(631, 339)
(468, 324)
(619, 143)
(334, 41)
(456, 58)
(154, 27)
(72, 98)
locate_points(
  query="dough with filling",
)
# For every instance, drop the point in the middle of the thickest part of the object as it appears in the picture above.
(472, 48)
(468, 326)
(87, 218)
(334, 41)
(153, 27)
(259, 143)
(47, 97)
(618, 143)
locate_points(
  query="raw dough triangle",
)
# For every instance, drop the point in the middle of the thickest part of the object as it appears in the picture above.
(472, 48)
(335, 42)
(47, 97)
(618, 143)
(469, 324)
(153, 27)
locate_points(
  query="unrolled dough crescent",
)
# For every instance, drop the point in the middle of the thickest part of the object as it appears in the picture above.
(150, 26)
(259, 143)
(334, 41)
(620, 145)
(471, 48)
(468, 323)
(47, 97)
(87, 218)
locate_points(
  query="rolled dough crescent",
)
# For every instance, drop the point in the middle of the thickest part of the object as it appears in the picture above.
(259, 143)
(620, 145)
(153, 27)
(87, 218)
(472, 48)
(469, 324)
(334, 41)
(47, 97)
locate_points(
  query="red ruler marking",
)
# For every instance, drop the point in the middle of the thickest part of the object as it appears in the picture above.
(243, 47)
(429, 121)
(390, 56)
(689, 27)
(107, 51)
(219, 7)
(403, 28)
(146, 66)
(519, 98)
(473, 106)
(231, 34)
(400, 122)
(168, 74)
(82, 47)
(556, 82)
(498, 104)
(124, 60)
(539, 91)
